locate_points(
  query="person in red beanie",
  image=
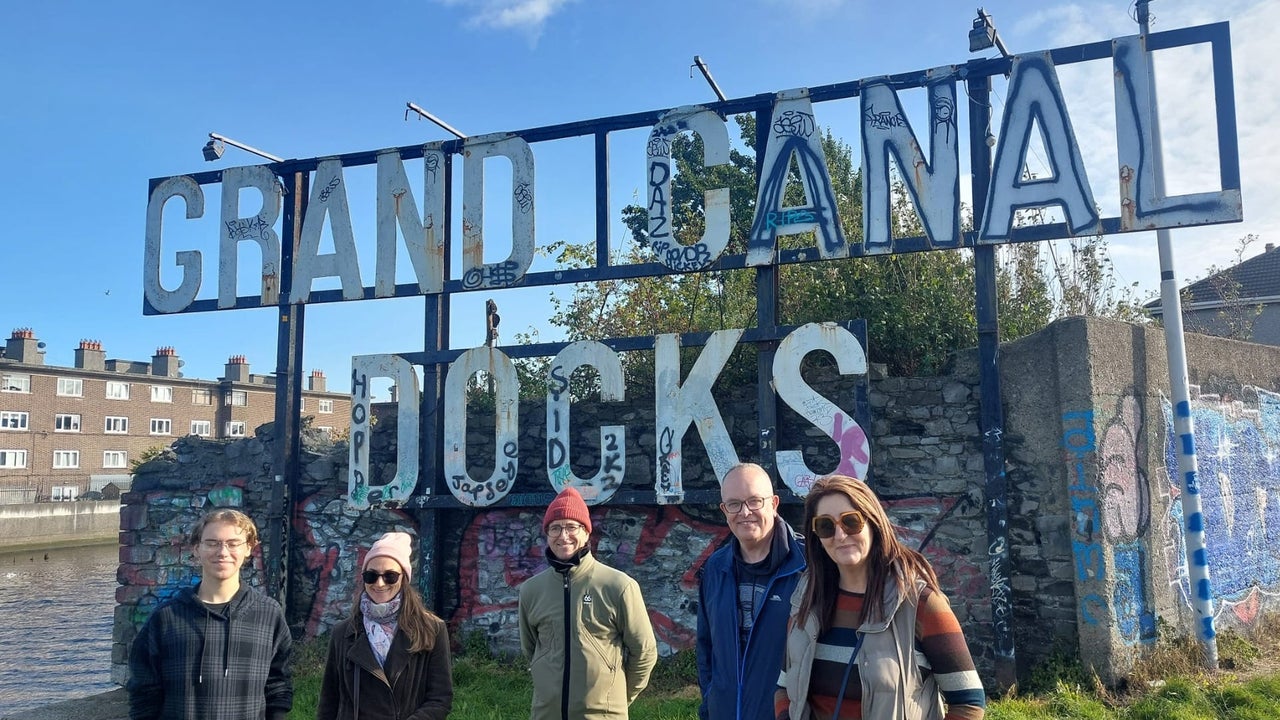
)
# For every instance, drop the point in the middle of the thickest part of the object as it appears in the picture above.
(583, 625)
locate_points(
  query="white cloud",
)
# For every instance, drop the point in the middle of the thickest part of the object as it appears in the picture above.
(526, 16)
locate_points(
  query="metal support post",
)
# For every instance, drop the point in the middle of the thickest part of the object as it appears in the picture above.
(1180, 396)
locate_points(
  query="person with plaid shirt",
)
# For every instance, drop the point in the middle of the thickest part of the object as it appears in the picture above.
(217, 651)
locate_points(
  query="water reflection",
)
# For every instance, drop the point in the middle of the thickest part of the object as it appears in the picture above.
(56, 610)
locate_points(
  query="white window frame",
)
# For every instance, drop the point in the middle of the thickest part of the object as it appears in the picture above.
(122, 421)
(325, 407)
(63, 493)
(66, 459)
(70, 387)
(120, 458)
(15, 420)
(71, 419)
(121, 390)
(13, 459)
(201, 394)
(15, 382)
(165, 426)
(161, 393)
(302, 404)
(236, 428)
(198, 425)
(230, 398)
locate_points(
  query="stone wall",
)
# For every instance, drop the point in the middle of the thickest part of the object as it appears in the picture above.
(90, 521)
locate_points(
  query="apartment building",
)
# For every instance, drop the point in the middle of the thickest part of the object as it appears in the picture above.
(67, 430)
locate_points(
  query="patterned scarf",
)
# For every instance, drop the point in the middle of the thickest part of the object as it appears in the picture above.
(380, 624)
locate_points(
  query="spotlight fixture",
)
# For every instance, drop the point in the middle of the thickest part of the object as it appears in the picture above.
(213, 150)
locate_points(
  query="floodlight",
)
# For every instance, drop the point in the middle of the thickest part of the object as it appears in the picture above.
(213, 150)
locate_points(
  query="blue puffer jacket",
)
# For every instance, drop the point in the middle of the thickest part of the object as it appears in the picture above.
(739, 686)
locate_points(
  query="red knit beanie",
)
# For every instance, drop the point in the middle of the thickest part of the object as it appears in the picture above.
(568, 505)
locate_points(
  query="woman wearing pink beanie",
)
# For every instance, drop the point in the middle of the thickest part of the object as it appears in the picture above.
(391, 657)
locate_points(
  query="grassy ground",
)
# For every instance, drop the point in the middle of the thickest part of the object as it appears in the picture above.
(1167, 685)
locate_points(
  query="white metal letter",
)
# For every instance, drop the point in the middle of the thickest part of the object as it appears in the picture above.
(795, 132)
(1035, 98)
(506, 426)
(475, 273)
(613, 439)
(396, 207)
(851, 359)
(934, 184)
(162, 300)
(715, 151)
(328, 197)
(259, 228)
(360, 492)
(679, 406)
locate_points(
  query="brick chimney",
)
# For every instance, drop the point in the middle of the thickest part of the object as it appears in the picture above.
(237, 369)
(23, 347)
(165, 362)
(91, 356)
(317, 382)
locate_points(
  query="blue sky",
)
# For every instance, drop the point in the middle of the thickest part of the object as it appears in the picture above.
(100, 97)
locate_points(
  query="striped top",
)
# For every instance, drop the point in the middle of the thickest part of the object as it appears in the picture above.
(940, 649)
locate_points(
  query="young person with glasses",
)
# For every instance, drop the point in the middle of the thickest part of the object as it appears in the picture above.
(390, 659)
(583, 625)
(218, 650)
(872, 637)
(744, 600)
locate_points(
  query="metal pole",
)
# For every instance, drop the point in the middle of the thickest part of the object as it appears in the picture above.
(996, 490)
(1183, 425)
(246, 148)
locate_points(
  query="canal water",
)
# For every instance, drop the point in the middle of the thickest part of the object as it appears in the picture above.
(56, 610)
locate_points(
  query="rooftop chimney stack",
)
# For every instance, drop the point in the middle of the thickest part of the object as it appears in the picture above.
(165, 363)
(317, 382)
(23, 347)
(91, 356)
(237, 369)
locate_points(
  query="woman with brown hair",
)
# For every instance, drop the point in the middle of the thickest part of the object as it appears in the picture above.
(390, 659)
(871, 635)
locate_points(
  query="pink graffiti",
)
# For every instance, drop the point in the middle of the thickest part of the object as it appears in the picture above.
(1124, 496)
(855, 451)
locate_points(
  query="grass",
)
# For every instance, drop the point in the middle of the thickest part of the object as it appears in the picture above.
(1168, 684)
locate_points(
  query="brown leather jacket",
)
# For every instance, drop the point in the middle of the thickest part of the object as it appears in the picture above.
(410, 686)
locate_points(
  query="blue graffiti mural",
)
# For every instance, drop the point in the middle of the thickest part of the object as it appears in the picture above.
(1238, 450)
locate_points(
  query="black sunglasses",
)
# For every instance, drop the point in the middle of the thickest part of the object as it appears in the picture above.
(390, 577)
(852, 522)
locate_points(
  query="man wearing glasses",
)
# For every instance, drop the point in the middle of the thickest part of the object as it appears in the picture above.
(744, 600)
(218, 650)
(583, 625)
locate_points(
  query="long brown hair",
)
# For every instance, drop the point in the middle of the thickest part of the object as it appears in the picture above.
(887, 555)
(417, 622)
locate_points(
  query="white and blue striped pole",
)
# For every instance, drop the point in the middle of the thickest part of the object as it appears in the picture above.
(1180, 397)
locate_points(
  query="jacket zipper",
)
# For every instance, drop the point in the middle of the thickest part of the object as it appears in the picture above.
(568, 633)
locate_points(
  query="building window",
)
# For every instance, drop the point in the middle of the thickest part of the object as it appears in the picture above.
(302, 404)
(237, 398)
(13, 459)
(161, 393)
(161, 426)
(203, 428)
(70, 387)
(63, 493)
(115, 459)
(66, 423)
(235, 428)
(11, 420)
(117, 390)
(15, 382)
(116, 425)
(201, 396)
(326, 406)
(63, 459)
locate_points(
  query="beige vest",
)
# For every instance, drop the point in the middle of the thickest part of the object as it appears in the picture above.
(892, 685)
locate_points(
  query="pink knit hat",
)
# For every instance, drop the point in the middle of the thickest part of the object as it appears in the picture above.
(396, 545)
(568, 505)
